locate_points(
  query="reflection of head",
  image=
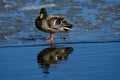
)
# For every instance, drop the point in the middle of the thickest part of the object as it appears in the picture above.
(52, 56)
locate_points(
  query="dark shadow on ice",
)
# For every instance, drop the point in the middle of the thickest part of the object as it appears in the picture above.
(49, 56)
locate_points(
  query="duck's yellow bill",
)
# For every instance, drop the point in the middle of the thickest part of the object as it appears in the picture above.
(41, 15)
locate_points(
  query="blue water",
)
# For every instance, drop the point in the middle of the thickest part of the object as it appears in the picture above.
(87, 61)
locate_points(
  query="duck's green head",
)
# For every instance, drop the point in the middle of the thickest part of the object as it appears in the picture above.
(43, 13)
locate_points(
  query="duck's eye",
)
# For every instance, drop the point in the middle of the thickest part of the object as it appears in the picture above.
(57, 22)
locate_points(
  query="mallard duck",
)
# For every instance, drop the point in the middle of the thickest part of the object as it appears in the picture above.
(51, 24)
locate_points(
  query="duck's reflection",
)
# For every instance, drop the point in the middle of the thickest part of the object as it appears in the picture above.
(49, 56)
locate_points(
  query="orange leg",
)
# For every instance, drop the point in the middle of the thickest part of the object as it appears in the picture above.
(50, 39)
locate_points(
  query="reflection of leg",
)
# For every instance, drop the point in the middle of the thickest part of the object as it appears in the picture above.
(45, 71)
(45, 68)
(52, 45)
